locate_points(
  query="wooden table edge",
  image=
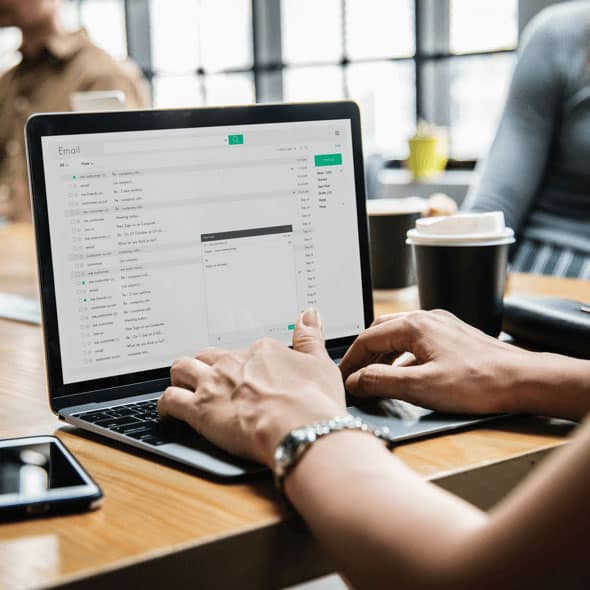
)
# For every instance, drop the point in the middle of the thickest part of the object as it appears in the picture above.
(287, 538)
(451, 473)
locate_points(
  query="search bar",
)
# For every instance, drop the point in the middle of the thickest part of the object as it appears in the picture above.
(165, 144)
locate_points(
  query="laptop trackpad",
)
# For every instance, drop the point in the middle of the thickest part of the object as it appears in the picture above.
(406, 420)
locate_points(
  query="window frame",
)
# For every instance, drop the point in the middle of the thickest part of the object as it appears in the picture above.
(431, 46)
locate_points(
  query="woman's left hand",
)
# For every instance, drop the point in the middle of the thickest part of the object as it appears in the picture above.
(247, 401)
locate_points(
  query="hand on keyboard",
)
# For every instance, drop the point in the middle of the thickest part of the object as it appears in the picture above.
(139, 421)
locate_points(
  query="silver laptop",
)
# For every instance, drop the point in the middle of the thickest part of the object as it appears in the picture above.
(161, 232)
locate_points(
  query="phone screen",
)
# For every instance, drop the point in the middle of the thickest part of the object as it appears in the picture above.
(31, 470)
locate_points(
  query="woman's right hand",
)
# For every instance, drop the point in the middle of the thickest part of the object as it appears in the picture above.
(454, 367)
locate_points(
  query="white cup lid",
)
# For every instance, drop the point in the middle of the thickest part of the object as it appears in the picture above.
(463, 229)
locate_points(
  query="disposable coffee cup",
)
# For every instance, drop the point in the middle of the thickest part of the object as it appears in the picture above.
(461, 263)
(390, 220)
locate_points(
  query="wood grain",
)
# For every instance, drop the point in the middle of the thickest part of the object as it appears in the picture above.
(160, 523)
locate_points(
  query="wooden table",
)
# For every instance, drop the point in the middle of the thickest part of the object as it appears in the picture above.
(160, 524)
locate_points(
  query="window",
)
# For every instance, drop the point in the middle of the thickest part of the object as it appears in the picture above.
(201, 52)
(359, 49)
(478, 88)
(448, 61)
(478, 84)
(481, 25)
(105, 21)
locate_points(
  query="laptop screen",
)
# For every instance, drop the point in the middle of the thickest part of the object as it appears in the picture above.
(166, 241)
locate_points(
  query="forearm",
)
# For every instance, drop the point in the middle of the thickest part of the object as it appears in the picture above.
(387, 528)
(553, 385)
(383, 524)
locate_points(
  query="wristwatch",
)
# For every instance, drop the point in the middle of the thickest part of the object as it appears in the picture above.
(297, 442)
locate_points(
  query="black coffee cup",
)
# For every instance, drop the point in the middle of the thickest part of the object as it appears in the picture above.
(392, 265)
(464, 269)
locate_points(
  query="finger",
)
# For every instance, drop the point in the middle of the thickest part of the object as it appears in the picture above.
(176, 402)
(230, 367)
(210, 355)
(394, 336)
(186, 372)
(308, 336)
(215, 419)
(406, 383)
(388, 317)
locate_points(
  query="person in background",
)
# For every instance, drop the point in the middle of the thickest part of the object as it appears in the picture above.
(54, 65)
(537, 169)
(384, 525)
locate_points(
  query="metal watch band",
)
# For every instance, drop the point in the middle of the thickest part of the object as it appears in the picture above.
(297, 442)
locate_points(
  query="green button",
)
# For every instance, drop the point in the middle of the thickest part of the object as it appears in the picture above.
(291, 326)
(235, 139)
(328, 160)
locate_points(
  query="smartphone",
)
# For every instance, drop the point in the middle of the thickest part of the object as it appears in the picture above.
(39, 476)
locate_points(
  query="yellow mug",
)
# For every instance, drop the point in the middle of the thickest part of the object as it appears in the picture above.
(427, 156)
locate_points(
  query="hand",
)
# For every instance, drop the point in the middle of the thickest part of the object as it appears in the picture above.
(454, 367)
(439, 204)
(246, 402)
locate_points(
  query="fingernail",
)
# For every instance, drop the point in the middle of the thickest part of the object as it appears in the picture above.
(311, 318)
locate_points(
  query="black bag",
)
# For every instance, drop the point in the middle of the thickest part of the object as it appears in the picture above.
(549, 323)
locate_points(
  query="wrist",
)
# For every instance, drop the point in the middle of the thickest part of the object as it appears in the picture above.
(273, 426)
(330, 457)
(552, 385)
(293, 448)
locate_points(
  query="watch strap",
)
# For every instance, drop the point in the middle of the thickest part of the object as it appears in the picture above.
(299, 440)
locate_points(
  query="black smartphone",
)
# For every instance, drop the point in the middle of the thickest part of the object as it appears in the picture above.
(39, 476)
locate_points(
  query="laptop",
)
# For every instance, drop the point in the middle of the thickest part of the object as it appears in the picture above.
(160, 232)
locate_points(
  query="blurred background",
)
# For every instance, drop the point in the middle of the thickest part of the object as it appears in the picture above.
(446, 61)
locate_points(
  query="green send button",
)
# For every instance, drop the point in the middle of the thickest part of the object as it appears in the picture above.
(291, 326)
(235, 139)
(328, 160)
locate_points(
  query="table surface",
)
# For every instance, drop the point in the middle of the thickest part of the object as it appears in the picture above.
(154, 510)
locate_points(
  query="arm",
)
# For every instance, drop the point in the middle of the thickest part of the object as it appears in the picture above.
(516, 163)
(384, 525)
(456, 368)
(387, 528)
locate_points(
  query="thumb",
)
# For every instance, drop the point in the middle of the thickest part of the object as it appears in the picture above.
(308, 335)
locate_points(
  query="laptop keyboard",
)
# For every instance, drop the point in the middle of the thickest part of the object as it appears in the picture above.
(139, 421)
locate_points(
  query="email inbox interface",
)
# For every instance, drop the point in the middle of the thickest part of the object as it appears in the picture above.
(167, 241)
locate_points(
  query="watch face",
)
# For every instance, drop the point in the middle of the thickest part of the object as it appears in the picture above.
(292, 445)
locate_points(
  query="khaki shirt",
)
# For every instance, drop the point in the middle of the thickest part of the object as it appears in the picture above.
(70, 63)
